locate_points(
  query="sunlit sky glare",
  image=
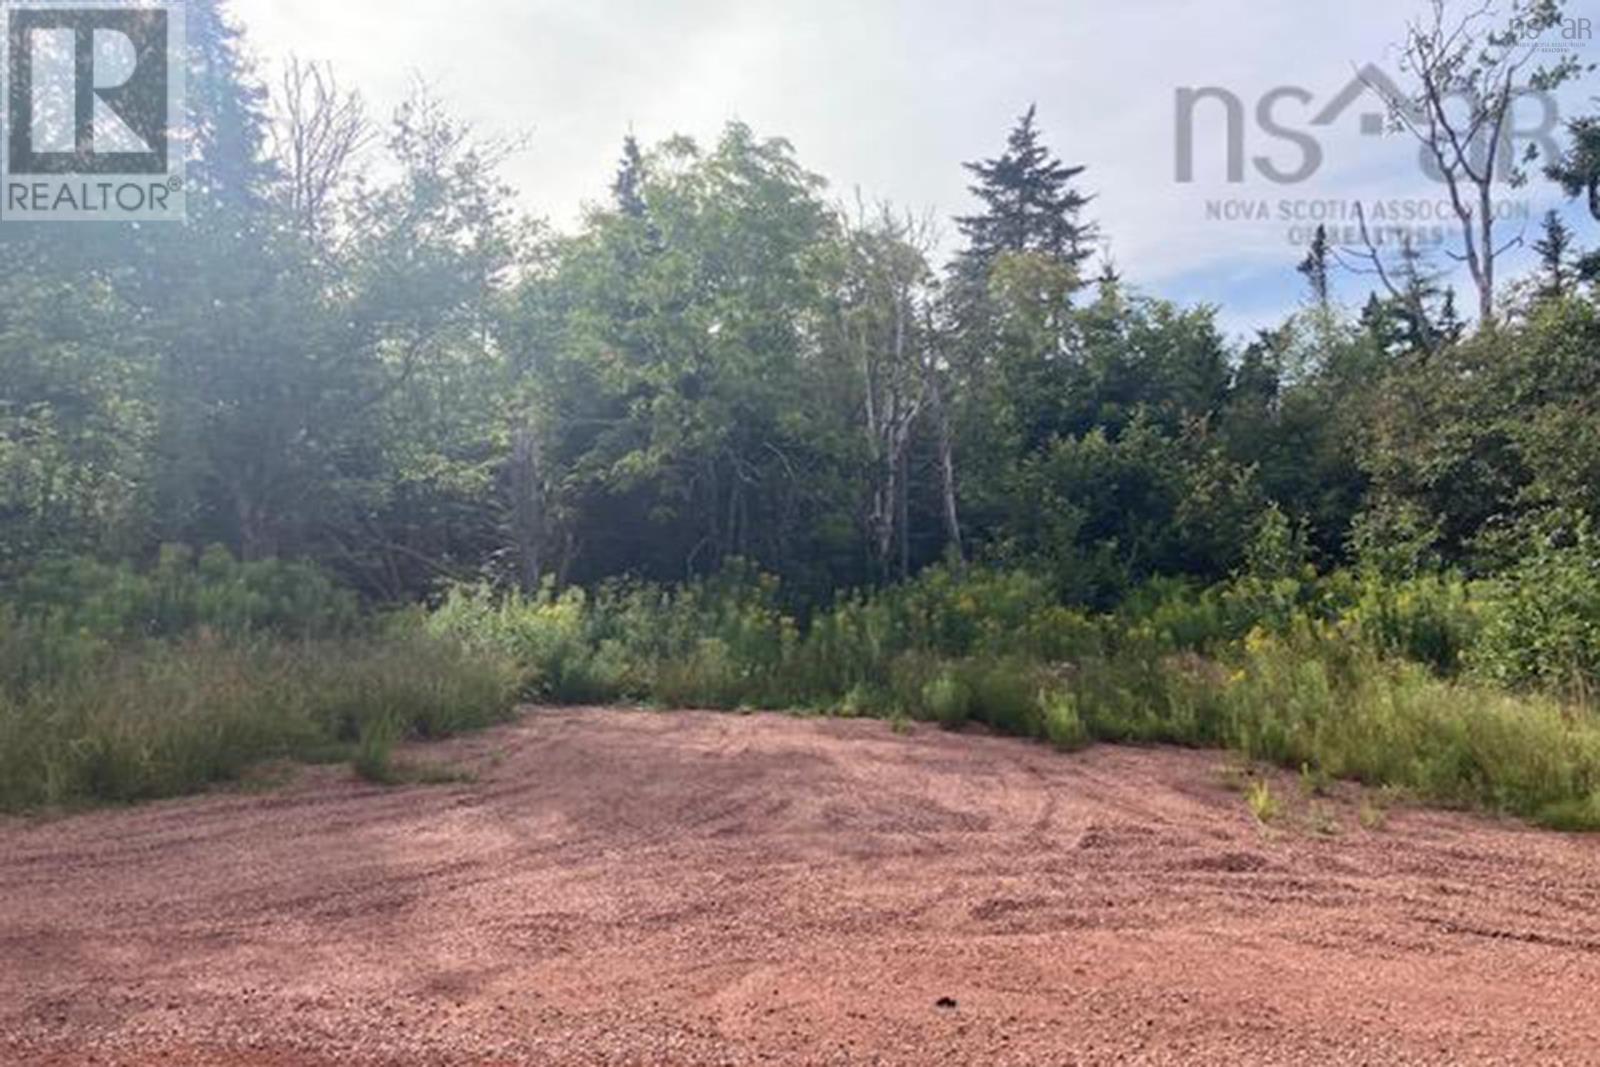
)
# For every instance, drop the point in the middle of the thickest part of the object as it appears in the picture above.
(890, 96)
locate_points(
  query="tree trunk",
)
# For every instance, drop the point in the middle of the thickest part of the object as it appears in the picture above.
(947, 464)
(529, 520)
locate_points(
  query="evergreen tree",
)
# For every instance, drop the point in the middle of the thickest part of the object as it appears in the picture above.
(1578, 174)
(1108, 283)
(1555, 251)
(1029, 205)
(1315, 267)
(1578, 169)
(1449, 327)
(227, 114)
(1420, 316)
(628, 188)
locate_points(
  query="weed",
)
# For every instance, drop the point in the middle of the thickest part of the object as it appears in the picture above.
(1263, 805)
(1062, 725)
(947, 700)
(1577, 815)
(1322, 820)
(1372, 816)
(1314, 781)
(158, 720)
(374, 758)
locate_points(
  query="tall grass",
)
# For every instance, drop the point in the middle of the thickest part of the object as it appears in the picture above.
(122, 685)
(160, 719)
(1347, 675)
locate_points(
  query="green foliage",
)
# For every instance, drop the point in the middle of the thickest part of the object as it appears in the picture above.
(374, 758)
(549, 635)
(1542, 625)
(1431, 619)
(1350, 714)
(1278, 549)
(158, 719)
(946, 699)
(1063, 725)
(1263, 805)
(1361, 546)
(1581, 814)
(182, 594)
(1347, 676)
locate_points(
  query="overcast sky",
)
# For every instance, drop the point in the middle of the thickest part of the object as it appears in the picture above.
(891, 95)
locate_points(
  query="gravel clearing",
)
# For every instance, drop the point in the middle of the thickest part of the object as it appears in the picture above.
(644, 888)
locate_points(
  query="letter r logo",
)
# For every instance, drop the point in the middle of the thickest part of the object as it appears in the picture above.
(88, 90)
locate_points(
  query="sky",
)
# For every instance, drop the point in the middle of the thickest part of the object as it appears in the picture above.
(888, 97)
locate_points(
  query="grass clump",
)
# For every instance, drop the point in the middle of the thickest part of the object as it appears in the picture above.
(374, 751)
(1262, 804)
(1577, 814)
(1063, 726)
(946, 699)
(1371, 815)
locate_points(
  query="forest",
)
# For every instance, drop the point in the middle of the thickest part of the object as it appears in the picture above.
(362, 454)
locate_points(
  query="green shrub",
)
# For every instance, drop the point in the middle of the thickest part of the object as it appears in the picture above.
(1063, 726)
(946, 699)
(548, 636)
(37, 651)
(1430, 619)
(374, 757)
(182, 595)
(1394, 724)
(1579, 814)
(1005, 695)
(1542, 621)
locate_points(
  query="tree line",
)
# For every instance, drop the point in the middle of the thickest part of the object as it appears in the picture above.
(360, 354)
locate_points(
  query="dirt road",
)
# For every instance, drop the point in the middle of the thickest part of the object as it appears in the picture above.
(706, 889)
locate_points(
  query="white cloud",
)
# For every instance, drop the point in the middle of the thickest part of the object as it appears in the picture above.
(891, 97)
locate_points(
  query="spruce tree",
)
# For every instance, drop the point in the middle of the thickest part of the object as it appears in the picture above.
(1315, 268)
(1555, 254)
(1577, 171)
(227, 115)
(628, 187)
(1421, 317)
(1029, 205)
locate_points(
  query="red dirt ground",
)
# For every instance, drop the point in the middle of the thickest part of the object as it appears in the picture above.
(708, 889)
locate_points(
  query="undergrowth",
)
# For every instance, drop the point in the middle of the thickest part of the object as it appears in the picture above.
(116, 686)
(101, 713)
(1410, 685)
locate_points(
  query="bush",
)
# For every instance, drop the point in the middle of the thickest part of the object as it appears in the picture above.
(1542, 621)
(182, 595)
(374, 756)
(1430, 619)
(947, 700)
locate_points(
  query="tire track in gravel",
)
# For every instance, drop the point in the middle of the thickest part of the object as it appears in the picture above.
(689, 888)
